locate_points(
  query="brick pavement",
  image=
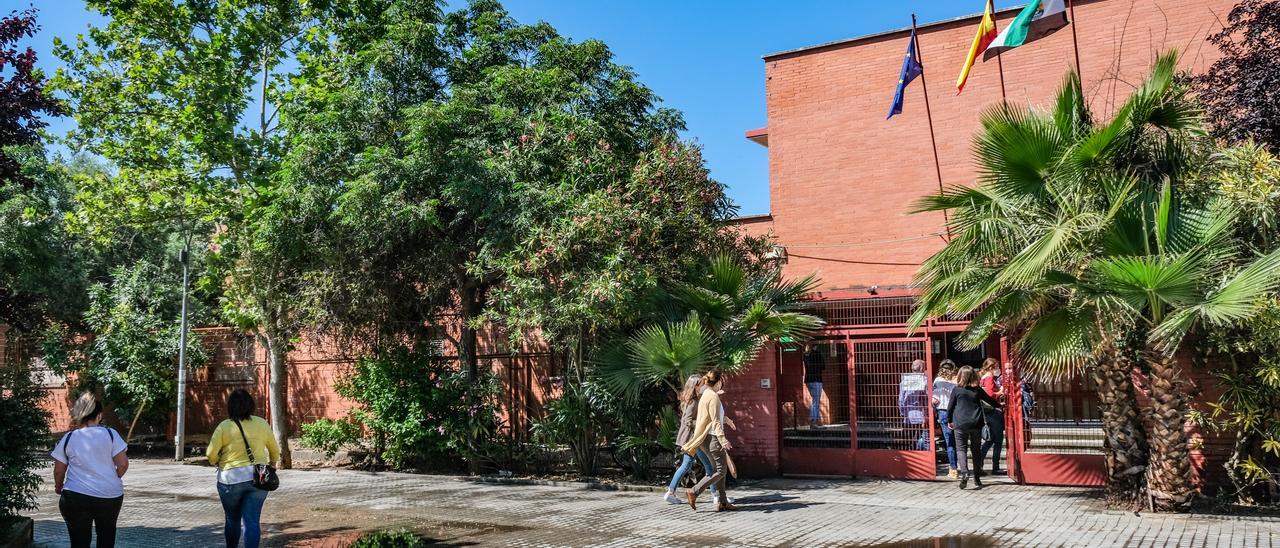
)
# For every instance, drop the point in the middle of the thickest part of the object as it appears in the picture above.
(176, 505)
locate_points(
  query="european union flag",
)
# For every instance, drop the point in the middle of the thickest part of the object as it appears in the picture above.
(910, 69)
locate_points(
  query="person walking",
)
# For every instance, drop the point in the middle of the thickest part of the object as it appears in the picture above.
(994, 443)
(236, 445)
(966, 416)
(688, 402)
(708, 435)
(89, 462)
(813, 367)
(942, 388)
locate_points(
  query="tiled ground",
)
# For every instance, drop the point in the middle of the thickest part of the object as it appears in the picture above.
(176, 505)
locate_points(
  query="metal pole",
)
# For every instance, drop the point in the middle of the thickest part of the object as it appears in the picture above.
(180, 436)
(991, 5)
(1074, 42)
(929, 113)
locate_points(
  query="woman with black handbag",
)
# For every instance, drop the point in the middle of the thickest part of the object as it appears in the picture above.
(243, 479)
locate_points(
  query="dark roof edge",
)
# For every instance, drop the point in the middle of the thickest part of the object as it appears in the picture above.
(845, 41)
(752, 218)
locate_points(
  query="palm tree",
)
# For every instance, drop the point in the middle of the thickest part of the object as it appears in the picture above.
(1078, 241)
(719, 321)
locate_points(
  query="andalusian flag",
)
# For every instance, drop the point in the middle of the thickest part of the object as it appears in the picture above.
(986, 34)
(1039, 19)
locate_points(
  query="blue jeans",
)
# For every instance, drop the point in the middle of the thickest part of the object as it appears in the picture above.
(995, 424)
(685, 464)
(815, 408)
(242, 503)
(949, 436)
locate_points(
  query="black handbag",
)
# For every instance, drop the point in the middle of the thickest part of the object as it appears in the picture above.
(264, 475)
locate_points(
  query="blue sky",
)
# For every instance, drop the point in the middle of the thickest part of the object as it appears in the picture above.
(701, 57)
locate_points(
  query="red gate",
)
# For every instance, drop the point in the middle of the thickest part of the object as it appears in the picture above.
(894, 427)
(888, 431)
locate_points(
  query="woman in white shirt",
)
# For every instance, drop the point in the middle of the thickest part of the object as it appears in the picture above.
(88, 464)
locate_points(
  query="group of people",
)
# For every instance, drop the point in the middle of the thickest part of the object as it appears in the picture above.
(967, 403)
(702, 435)
(91, 459)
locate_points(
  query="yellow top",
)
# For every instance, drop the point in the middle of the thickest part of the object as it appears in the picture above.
(226, 447)
(709, 422)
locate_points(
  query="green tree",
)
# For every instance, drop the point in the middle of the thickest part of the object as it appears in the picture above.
(1079, 241)
(182, 98)
(134, 352)
(496, 171)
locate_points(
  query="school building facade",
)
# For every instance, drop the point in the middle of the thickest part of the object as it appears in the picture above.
(842, 180)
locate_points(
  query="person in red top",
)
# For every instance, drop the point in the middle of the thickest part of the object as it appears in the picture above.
(990, 382)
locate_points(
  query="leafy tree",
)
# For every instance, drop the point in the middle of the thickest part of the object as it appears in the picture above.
(1243, 354)
(497, 171)
(134, 352)
(22, 97)
(182, 98)
(1080, 241)
(1241, 90)
(31, 239)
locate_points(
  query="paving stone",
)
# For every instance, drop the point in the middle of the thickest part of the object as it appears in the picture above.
(176, 505)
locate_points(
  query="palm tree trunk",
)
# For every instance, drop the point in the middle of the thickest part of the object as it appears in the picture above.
(1125, 443)
(1171, 487)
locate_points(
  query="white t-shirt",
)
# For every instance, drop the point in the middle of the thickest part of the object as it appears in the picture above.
(88, 456)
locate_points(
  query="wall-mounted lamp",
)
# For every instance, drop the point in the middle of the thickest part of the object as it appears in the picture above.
(873, 289)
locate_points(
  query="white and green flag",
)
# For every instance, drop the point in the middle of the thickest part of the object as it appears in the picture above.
(1039, 19)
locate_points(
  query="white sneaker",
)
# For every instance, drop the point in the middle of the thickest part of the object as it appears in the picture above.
(671, 497)
(729, 500)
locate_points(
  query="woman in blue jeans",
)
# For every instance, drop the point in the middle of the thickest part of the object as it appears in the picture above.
(688, 412)
(235, 446)
(942, 388)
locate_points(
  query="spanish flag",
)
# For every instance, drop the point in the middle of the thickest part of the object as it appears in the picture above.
(986, 35)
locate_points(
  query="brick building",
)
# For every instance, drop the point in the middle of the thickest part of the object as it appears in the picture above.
(842, 179)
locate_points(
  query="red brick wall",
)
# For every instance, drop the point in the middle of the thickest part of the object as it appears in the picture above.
(755, 411)
(842, 178)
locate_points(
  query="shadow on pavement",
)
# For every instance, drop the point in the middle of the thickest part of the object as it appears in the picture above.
(775, 502)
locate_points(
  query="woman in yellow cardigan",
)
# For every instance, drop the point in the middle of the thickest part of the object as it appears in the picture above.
(708, 436)
(229, 450)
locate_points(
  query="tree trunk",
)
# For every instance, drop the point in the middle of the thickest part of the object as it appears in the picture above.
(129, 437)
(1170, 487)
(1125, 445)
(278, 395)
(1239, 452)
(468, 309)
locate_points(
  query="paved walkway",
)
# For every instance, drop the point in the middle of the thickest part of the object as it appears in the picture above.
(176, 505)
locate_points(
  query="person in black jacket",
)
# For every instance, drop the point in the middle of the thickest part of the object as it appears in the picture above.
(966, 416)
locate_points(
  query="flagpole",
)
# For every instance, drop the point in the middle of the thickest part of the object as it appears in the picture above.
(999, 65)
(1075, 43)
(924, 84)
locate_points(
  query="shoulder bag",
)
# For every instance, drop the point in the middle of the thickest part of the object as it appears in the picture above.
(264, 475)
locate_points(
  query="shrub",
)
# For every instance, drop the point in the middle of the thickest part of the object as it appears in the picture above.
(578, 419)
(23, 434)
(418, 408)
(330, 436)
(397, 538)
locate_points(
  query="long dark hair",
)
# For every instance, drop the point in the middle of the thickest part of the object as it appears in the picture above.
(239, 405)
(967, 377)
(711, 378)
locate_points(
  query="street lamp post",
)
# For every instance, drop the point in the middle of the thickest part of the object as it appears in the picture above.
(180, 436)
